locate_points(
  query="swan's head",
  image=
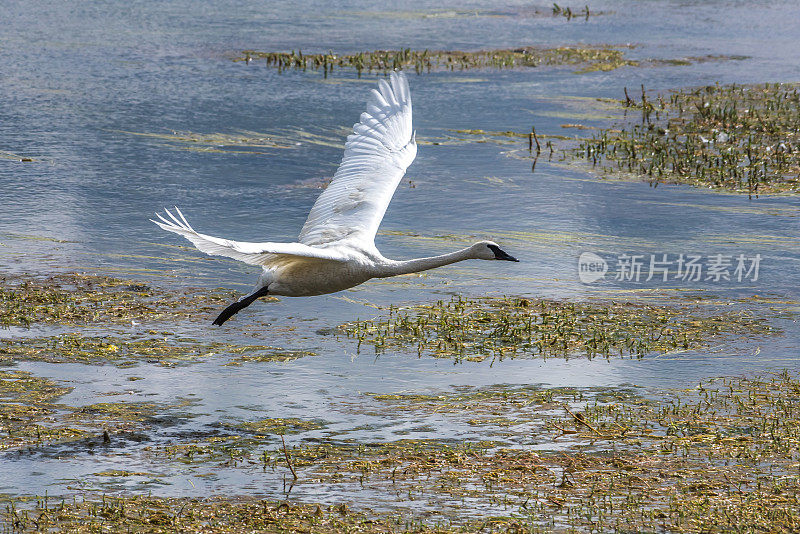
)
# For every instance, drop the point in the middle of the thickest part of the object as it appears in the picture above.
(489, 250)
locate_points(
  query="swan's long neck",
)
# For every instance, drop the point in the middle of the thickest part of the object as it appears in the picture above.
(423, 264)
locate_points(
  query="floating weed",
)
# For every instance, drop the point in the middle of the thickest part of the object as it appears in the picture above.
(120, 473)
(15, 157)
(257, 353)
(517, 402)
(523, 11)
(526, 408)
(30, 237)
(742, 138)
(114, 412)
(215, 141)
(718, 457)
(278, 425)
(151, 346)
(247, 142)
(228, 449)
(161, 514)
(30, 418)
(110, 418)
(80, 298)
(27, 411)
(477, 329)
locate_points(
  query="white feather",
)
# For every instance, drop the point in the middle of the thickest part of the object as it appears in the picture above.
(376, 157)
(252, 253)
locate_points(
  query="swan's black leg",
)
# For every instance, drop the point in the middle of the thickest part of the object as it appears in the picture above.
(240, 304)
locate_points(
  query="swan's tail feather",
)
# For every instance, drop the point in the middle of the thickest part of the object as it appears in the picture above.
(239, 305)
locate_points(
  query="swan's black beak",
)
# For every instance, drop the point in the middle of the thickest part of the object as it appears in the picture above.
(501, 255)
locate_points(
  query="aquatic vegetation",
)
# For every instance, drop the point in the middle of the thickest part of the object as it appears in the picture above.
(80, 298)
(27, 409)
(588, 58)
(225, 516)
(277, 426)
(15, 157)
(120, 473)
(569, 13)
(716, 457)
(566, 13)
(218, 140)
(31, 418)
(151, 346)
(490, 406)
(477, 329)
(710, 458)
(247, 142)
(743, 138)
(591, 58)
(118, 414)
(258, 353)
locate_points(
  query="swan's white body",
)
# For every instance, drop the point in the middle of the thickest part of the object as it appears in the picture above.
(336, 248)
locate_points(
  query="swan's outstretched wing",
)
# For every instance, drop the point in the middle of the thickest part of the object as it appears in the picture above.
(376, 156)
(252, 253)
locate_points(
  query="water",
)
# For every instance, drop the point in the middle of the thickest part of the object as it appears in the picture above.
(78, 80)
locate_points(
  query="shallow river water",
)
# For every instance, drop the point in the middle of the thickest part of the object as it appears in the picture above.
(93, 93)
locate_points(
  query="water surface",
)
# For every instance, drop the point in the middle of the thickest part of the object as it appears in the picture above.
(78, 80)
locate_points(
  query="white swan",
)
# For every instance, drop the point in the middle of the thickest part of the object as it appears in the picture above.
(336, 248)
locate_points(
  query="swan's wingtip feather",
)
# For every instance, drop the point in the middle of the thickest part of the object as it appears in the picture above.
(180, 214)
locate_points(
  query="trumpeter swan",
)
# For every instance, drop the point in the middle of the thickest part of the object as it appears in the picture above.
(336, 248)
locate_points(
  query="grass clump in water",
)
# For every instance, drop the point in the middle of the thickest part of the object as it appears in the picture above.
(588, 58)
(591, 57)
(743, 138)
(476, 329)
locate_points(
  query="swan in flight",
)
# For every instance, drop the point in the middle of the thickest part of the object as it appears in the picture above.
(336, 248)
